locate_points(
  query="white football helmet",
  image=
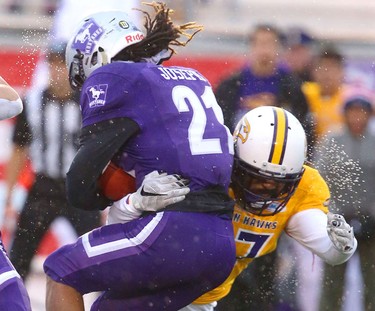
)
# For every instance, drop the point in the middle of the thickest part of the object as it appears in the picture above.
(98, 38)
(270, 150)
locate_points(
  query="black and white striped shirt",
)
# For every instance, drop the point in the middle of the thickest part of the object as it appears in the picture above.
(51, 128)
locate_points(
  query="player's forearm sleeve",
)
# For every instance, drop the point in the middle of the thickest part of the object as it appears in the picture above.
(99, 143)
(10, 108)
(309, 228)
(335, 257)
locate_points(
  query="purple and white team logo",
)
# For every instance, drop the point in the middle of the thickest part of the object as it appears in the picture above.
(97, 95)
(86, 37)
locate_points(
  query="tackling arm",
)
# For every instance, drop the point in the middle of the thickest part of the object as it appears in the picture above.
(156, 192)
(317, 231)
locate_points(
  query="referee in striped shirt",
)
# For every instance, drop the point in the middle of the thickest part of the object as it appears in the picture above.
(46, 132)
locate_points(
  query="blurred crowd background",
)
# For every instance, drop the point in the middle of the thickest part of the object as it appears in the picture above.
(349, 23)
(328, 44)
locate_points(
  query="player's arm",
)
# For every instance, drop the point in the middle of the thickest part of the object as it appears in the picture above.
(22, 138)
(10, 102)
(158, 190)
(99, 142)
(326, 235)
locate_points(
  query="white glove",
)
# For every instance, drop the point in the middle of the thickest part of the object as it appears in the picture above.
(156, 192)
(122, 211)
(340, 233)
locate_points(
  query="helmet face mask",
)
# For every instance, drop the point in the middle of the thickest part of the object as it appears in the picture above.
(260, 194)
(97, 40)
(270, 150)
(76, 73)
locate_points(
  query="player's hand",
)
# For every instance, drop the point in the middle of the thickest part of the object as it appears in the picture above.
(340, 233)
(158, 191)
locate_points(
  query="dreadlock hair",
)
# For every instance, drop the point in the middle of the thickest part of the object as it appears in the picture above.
(161, 33)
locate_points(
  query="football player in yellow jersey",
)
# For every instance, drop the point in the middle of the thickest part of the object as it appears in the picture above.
(274, 192)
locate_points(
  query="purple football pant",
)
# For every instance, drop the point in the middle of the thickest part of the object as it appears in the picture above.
(13, 294)
(160, 262)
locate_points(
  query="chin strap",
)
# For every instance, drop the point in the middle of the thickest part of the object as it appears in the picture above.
(104, 56)
(76, 72)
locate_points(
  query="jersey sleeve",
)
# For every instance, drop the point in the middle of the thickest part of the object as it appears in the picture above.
(309, 228)
(308, 221)
(312, 192)
(110, 94)
(98, 144)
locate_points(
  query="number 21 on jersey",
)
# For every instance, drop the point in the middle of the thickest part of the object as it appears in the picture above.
(199, 145)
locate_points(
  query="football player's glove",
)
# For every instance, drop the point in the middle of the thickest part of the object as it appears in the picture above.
(156, 192)
(340, 233)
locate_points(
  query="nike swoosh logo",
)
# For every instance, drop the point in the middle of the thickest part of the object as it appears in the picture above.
(149, 194)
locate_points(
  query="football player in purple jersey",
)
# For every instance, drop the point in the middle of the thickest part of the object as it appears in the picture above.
(13, 294)
(154, 121)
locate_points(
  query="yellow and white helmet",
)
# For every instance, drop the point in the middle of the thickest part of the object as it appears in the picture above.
(270, 150)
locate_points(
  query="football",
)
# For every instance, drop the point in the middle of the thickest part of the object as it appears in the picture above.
(115, 183)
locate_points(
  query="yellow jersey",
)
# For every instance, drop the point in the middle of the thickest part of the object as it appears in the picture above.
(256, 236)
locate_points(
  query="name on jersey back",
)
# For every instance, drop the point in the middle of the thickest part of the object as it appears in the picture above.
(180, 74)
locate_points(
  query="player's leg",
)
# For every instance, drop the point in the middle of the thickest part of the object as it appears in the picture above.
(190, 257)
(61, 297)
(195, 307)
(186, 253)
(13, 294)
(168, 295)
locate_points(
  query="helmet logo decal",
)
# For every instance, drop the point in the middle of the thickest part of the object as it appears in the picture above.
(86, 37)
(245, 130)
(97, 95)
(280, 136)
(123, 24)
(134, 37)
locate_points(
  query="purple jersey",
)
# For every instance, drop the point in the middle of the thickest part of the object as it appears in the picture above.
(182, 129)
(13, 294)
(164, 260)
